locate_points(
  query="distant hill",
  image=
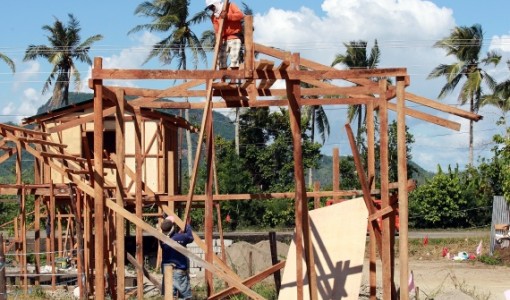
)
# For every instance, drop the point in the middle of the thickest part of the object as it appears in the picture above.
(324, 174)
(224, 127)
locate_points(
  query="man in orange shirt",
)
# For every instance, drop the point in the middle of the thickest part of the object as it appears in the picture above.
(231, 38)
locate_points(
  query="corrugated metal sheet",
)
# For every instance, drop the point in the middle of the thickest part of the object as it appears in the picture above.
(500, 215)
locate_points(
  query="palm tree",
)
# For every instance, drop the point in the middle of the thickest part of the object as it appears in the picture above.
(356, 57)
(64, 49)
(172, 16)
(8, 61)
(500, 98)
(315, 115)
(465, 44)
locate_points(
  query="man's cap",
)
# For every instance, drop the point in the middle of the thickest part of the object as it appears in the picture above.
(211, 2)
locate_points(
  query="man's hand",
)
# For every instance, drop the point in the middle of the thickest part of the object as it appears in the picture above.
(223, 14)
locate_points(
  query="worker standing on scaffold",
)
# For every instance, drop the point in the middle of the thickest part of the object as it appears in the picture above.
(232, 38)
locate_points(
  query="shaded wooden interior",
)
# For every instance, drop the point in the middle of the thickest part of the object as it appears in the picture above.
(100, 185)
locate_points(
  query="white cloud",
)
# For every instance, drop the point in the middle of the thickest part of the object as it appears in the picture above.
(405, 30)
(128, 58)
(31, 71)
(501, 43)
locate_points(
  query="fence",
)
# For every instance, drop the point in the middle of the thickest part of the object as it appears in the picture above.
(500, 215)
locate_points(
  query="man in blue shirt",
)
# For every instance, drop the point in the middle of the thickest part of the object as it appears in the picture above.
(180, 263)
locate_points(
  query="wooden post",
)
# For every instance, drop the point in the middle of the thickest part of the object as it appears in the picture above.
(37, 237)
(336, 171)
(24, 239)
(371, 175)
(119, 193)
(250, 264)
(138, 199)
(402, 189)
(98, 185)
(51, 214)
(303, 236)
(248, 47)
(209, 222)
(37, 221)
(76, 209)
(59, 235)
(274, 260)
(387, 280)
(169, 281)
(3, 287)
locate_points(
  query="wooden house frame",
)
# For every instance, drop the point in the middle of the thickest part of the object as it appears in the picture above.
(102, 203)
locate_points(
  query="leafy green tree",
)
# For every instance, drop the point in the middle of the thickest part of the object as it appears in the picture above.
(356, 57)
(172, 17)
(267, 150)
(267, 146)
(465, 44)
(392, 152)
(8, 61)
(440, 202)
(315, 117)
(65, 47)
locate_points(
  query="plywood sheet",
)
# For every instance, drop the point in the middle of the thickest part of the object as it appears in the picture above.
(339, 237)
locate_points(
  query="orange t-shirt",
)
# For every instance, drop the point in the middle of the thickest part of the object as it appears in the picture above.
(232, 26)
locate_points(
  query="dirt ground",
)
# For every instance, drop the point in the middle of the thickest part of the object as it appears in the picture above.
(435, 276)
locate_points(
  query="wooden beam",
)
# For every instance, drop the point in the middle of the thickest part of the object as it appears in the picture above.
(142, 269)
(387, 279)
(99, 280)
(249, 282)
(427, 117)
(120, 150)
(184, 251)
(302, 236)
(364, 185)
(441, 107)
(403, 188)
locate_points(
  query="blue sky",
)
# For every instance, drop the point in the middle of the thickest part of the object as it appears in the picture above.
(405, 30)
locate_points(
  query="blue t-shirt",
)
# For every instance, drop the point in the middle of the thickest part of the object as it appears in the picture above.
(171, 256)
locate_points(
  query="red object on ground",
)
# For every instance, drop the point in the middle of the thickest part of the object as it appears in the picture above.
(445, 251)
(378, 204)
(426, 240)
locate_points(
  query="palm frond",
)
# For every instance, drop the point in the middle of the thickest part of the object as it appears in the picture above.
(8, 61)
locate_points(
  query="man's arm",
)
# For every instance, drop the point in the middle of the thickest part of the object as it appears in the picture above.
(234, 13)
(188, 234)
